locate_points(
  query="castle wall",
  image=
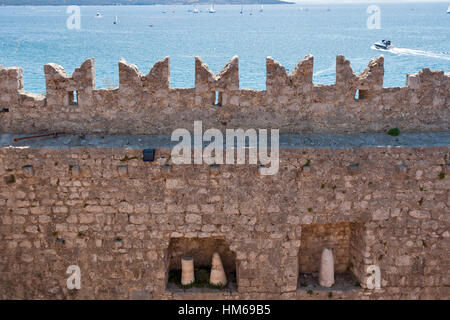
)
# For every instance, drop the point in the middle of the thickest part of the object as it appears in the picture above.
(86, 197)
(107, 211)
(146, 104)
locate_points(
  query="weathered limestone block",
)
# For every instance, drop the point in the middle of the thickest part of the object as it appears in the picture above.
(303, 72)
(159, 76)
(61, 88)
(84, 76)
(207, 83)
(187, 270)
(427, 79)
(413, 81)
(344, 72)
(32, 100)
(372, 77)
(217, 276)
(279, 82)
(132, 81)
(326, 274)
(129, 77)
(369, 82)
(11, 83)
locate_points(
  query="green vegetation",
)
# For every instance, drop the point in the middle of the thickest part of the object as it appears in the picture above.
(201, 276)
(394, 132)
(126, 158)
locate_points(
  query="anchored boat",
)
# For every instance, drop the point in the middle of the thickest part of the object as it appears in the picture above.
(211, 9)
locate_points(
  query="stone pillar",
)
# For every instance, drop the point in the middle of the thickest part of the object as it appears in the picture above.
(326, 274)
(217, 276)
(187, 270)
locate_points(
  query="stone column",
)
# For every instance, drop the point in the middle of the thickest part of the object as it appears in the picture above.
(326, 274)
(187, 270)
(217, 276)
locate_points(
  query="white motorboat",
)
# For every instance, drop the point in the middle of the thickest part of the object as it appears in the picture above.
(383, 44)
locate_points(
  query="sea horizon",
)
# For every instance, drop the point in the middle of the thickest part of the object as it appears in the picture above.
(32, 36)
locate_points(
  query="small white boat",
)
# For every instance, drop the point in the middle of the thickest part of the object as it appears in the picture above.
(448, 9)
(261, 9)
(211, 9)
(98, 15)
(383, 44)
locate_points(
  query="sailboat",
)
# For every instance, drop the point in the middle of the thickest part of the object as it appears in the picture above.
(116, 20)
(448, 9)
(242, 8)
(211, 9)
(261, 9)
(195, 10)
(98, 15)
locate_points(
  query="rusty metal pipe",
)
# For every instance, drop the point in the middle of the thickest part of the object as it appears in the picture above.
(39, 136)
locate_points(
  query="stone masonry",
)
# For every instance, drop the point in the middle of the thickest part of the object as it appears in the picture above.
(87, 198)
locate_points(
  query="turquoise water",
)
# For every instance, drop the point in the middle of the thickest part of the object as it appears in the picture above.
(33, 36)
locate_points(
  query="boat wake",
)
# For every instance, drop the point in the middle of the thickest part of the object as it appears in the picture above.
(413, 52)
(325, 71)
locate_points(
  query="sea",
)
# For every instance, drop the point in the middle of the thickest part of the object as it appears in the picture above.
(31, 36)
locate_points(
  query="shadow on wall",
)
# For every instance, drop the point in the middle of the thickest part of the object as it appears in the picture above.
(201, 250)
(345, 241)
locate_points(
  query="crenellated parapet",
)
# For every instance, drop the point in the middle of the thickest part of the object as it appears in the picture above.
(11, 83)
(63, 90)
(279, 82)
(146, 103)
(131, 79)
(12, 94)
(365, 85)
(216, 89)
(425, 78)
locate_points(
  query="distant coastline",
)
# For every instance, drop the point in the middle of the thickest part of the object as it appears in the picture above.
(134, 2)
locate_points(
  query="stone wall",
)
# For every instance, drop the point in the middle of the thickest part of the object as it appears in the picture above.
(114, 216)
(87, 198)
(146, 104)
(337, 236)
